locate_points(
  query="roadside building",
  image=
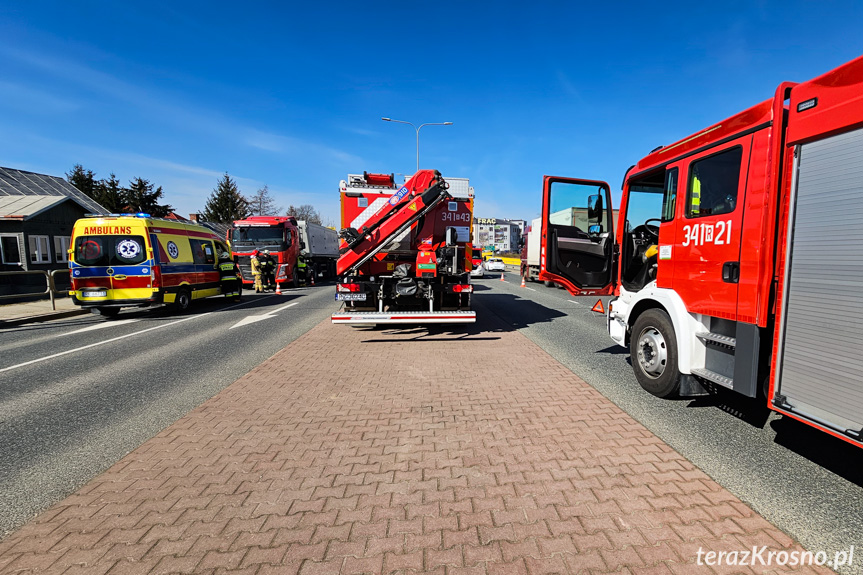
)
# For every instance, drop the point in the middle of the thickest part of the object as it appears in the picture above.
(577, 217)
(502, 235)
(37, 213)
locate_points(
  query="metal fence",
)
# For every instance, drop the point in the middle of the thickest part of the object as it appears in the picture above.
(50, 284)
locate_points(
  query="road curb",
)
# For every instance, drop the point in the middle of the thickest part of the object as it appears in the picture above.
(41, 318)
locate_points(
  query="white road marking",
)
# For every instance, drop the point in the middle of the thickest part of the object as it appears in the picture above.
(531, 289)
(573, 301)
(256, 318)
(247, 302)
(67, 352)
(101, 325)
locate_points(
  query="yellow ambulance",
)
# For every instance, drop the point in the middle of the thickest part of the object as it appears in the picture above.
(137, 260)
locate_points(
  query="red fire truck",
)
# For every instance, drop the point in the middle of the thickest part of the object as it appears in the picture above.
(737, 258)
(405, 252)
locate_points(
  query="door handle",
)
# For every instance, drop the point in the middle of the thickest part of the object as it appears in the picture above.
(731, 272)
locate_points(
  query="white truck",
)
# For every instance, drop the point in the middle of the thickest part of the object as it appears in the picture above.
(319, 248)
(530, 252)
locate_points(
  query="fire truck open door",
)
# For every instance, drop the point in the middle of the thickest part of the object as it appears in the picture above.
(577, 235)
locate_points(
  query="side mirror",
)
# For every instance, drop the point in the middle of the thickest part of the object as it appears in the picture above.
(594, 230)
(594, 209)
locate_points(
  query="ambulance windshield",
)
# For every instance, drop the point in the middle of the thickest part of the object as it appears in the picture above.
(110, 250)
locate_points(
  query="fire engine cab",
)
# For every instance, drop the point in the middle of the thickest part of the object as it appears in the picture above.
(736, 258)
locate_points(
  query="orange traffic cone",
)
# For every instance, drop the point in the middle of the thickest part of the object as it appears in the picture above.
(522, 282)
(501, 277)
(278, 288)
(313, 278)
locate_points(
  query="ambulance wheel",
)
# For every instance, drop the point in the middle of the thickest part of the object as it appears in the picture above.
(107, 312)
(653, 350)
(183, 300)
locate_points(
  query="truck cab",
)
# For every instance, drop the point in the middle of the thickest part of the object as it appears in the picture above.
(277, 234)
(681, 250)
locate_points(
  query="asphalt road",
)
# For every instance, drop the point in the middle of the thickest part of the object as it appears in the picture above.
(77, 395)
(802, 480)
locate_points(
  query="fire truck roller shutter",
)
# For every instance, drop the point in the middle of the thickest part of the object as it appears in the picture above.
(819, 362)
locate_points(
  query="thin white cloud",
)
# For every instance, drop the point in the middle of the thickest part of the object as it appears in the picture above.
(288, 145)
(569, 87)
(29, 99)
(159, 104)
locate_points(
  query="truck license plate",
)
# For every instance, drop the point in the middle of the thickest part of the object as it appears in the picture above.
(350, 297)
(94, 293)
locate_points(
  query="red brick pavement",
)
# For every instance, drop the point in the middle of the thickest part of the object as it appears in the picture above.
(355, 451)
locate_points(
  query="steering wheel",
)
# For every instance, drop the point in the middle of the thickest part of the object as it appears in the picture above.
(653, 229)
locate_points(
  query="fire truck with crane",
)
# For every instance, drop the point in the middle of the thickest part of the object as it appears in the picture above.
(736, 257)
(405, 252)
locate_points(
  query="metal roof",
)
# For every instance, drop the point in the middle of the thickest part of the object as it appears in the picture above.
(220, 230)
(25, 207)
(17, 183)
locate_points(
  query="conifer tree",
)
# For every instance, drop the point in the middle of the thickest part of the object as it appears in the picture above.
(141, 196)
(226, 203)
(83, 180)
(110, 194)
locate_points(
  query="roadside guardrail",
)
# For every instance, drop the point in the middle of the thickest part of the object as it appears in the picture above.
(50, 284)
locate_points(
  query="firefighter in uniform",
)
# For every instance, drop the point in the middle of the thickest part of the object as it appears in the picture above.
(256, 272)
(303, 269)
(268, 270)
(695, 195)
(229, 278)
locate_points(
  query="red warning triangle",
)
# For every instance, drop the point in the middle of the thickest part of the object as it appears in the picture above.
(597, 307)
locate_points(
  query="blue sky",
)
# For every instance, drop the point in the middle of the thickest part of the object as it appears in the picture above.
(291, 94)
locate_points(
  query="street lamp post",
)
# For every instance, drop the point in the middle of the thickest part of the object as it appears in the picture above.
(418, 132)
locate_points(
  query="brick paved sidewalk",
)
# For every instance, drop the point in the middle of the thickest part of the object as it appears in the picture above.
(359, 451)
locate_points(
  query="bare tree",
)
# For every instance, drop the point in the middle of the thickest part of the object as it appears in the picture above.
(305, 212)
(261, 203)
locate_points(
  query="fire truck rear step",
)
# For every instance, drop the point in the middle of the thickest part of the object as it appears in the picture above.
(404, 317)
(714, 377)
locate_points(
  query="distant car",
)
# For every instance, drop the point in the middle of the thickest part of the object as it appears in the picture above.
(477, 271)
(495, 265)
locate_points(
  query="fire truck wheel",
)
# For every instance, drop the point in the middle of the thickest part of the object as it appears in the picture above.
(548, 283)
(653, 348)
(183, 300)
(295, 278)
